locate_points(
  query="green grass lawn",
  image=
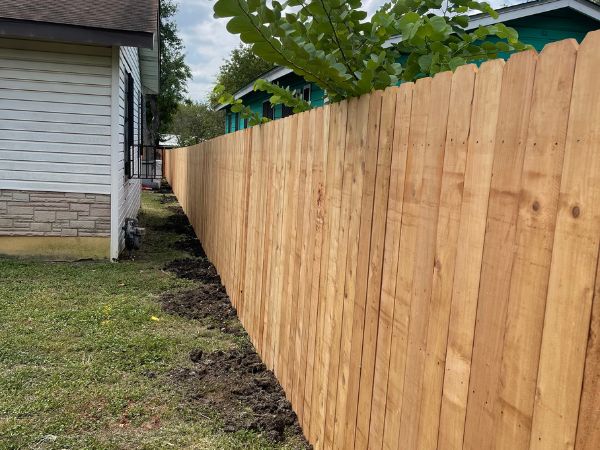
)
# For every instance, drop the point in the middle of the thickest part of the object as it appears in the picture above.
(85, 353)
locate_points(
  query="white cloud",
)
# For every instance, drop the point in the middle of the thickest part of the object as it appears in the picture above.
(207, 44)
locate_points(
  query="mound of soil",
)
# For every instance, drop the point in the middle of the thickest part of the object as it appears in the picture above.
(165, 188)
(199, 269)
(244, 393)
(168, 198)
(208, 303)
(234, 384)
(191, 245)
(178, 223)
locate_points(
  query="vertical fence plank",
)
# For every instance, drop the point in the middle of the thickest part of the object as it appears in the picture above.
(588, 429)
(339, 301)
(428, 197)
(295, 255)
(378, 232)
(499, 246)
(356, 146)
(407, 252)
(321, 260)
(390, 263)
(305, 249)
(334, 179)
(282, 300)
(534, 235)
(455, 155)
(321, 135)
(568, 306)
(290, 207)
(478, 173)
(368, 167)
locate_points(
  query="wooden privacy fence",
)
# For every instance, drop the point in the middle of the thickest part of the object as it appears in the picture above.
(419, 266)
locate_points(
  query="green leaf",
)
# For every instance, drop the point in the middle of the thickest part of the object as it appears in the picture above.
(425, 62)
(227, 8)
(456, 62)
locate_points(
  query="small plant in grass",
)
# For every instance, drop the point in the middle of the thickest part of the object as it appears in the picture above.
(335, 44)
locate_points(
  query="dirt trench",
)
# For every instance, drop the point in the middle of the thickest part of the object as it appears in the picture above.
(234, 384)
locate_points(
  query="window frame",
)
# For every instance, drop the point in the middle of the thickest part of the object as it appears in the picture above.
(129, 125)
(306, 88)
(270, 111)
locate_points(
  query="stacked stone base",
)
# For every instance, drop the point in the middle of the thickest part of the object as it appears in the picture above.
(24, 213)
(33, 223)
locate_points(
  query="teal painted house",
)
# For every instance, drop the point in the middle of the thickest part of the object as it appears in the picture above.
(538, 23)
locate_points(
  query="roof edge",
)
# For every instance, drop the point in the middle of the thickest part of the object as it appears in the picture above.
(74, 34)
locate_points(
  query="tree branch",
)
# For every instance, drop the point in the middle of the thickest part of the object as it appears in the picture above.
(337, 40)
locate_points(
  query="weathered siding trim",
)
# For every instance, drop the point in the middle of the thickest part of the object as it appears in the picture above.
(116, 180)
(129, 194)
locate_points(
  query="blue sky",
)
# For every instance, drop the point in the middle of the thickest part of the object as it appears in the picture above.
(208, 43)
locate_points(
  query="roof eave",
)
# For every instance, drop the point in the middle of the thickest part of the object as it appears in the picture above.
(74, 34)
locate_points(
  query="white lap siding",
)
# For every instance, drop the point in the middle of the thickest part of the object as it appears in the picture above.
(55, 117)
(129, 190)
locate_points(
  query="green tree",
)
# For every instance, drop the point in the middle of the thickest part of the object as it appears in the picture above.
(194, 122)
(334, 43)
(241, 68)
(174, 72)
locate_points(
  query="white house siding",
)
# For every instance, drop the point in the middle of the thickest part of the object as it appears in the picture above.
(129, 191)
(55, 116)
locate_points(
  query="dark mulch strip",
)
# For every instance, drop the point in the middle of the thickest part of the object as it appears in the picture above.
(165, 188)
(178, 223)
(191, 245)
(234, 384)
(246, 395)
(167, 199)
(208, 303)
(198, 269)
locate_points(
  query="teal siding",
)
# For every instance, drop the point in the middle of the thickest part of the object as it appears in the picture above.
(537, 31)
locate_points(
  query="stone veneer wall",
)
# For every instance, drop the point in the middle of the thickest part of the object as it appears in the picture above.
(33, 213)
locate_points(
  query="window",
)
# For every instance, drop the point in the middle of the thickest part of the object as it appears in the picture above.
(245, 123)
(128, 130)
(286, 111)
(306, 93)
(236, 121)
(267, 110)
(229, 122)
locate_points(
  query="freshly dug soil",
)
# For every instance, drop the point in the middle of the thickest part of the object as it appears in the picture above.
(246, 395)
(234, 384)
(168, 198)
(191, 245)
(164, 188)
(208, 303)
(178, 222)
(199, 269)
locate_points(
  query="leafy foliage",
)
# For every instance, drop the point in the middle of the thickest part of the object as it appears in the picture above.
(237, 106)
(195, 122)
(278, 95)
(334, 44)
(174, 72)
(242, 68)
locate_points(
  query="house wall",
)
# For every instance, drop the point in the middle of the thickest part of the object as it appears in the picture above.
(128, 190)
(61, 146)
(54, 117)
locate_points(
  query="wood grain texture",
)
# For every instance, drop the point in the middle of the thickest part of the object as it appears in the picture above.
(570, 291)
(419, 266)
